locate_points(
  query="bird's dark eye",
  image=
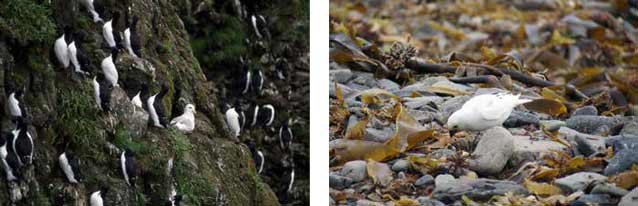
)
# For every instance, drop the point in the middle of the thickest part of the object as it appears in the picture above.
(455, 127)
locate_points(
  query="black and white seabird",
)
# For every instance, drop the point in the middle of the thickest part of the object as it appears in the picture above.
(77, 56)
(186, 121)
(14, 103)
(253, 114)
(4, 153)
(174, 199)
(156, 107)
(108, 67)
(285, 135)
(232, 119)
(22, 142)
(132, 38)
(266, 115)
(292, 180)
(109, 33)
(258, 157)
(257, 81)
(129, 166)
(88, 4)
(259, 25)
(70, 166)
(96, 198)
(246, 79)
(102, 92)
(60, 47)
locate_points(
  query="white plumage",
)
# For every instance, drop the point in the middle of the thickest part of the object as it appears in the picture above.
(61, 51)
(186, 121)
(292, 180)
(110, 72)
(261, 165)
(127, 42)
(96, 88)
(153, 112)
(66, 168)
(96, 199)
(89, 6)
(14, 105)
(232, 119)
(8, 170)
(272, 114)
(255, 113)
(73, 56)
(484, 111)
(107, 32)
(253, 18)
(137, 101)
(247, 85)
(123, 163)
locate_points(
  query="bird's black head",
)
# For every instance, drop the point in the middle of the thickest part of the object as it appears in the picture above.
(128, 153)
(104, 189)
(252, 146)
(18, 93)
(134, 23)
(114, 52)
(3, 140)
(68, 30)
(22, 123)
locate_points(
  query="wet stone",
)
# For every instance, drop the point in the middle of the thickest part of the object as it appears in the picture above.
(586, 110)
(493, 151)
(424, 181)
(593, 199)
(479, 189)
(518, 119)
(340, 75)
(630, 129)
(401, 165)
(579, 181)
(356, 170)
(340, 182)
(621, 161)
(589, 124)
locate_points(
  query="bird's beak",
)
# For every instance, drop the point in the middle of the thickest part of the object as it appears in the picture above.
(453, 132)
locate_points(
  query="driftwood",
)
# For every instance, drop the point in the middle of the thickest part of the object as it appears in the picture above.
(422, 67)
(484, 79)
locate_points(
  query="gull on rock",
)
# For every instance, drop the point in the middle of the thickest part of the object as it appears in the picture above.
(185, 122)
(484, 111)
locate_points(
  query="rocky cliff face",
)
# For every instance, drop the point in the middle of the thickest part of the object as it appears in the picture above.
(208, 168)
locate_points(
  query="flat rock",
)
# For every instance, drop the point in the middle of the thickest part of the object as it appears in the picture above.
(426, 201)
(421, 102)
(378, 135)
(552, 125)
(340, 182)
(479, 189)
(590, 123)
(356, 170)
(630, 129)
(586, 144)
(593, 199)
(401, 165)
(388, 85)
(579, 181)
(527, 149)
(365, 78)
(340, 75)
(610, 189)
(621, 161)
(364, 202)
(494, 149)
(424, 181)
(586, 110)
(519, 118)
(630, 199)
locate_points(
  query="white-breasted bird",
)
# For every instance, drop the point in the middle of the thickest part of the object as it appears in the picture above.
(108, 67)
(61, 48)
(484, 111)
(232, 119)
(96, 198)
(186, 121)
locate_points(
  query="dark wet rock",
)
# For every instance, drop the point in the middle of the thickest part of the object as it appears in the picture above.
(579, 181)
(494, 149)
(425, 201)
(621, 161)
(586, 110)
(340, 75)
(630, 129)
(479, 189)
(630, 199)
(424, 181)
(518, 119)
(589, 123)
(610, 189)
(388, 85)
(586, 144)
(356, 170)
(527, 149)
(378, 135)
(552, 125)
(340, 182)
(593, 199)
(401, 165)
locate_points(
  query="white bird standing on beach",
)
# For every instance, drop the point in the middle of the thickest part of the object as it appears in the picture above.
(484, 111)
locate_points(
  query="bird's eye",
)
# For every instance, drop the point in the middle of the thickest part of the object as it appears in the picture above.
(455, 127)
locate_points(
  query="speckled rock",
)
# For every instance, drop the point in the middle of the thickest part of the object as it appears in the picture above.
(586, 110)
(518, 119)
(621, 161)
(493, 151)
(589, 123)
(401, 165)
(424, 181)
(579, 181)
(356, 170)
(479, 189)
(340, 75)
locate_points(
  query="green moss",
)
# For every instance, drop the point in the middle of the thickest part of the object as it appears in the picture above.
(196, 188)
(27, 20)
(123, 139)
(77, 117)
(220, 42)
(181, 143)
